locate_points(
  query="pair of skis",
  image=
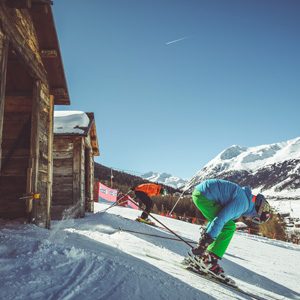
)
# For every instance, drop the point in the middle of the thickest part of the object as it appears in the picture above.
(191, 264)
(195, 264)
(148, 222)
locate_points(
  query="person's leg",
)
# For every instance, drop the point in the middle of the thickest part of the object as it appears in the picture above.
(210, 210)
(220, 245)
(147, 201)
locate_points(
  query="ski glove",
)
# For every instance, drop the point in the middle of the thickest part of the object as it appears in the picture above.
(204, 242)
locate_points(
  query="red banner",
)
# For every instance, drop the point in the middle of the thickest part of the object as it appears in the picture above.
(124, 200)
(106, 194)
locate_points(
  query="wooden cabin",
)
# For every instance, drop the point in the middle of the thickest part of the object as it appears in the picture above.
(32, 80)
(75, 145)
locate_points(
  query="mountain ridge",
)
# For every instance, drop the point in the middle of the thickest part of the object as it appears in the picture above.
(273, 169)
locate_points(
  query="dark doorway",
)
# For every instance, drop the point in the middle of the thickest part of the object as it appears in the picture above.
(15, 176)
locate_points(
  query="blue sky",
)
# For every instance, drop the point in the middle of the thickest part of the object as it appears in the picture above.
(233, 77)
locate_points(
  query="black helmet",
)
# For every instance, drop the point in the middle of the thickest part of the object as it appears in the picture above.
(263, 210)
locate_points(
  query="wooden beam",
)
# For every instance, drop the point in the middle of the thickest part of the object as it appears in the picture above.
(77, 171)
(3, 70)
(42, 2)
(50, 162)
(59, 92)
(18, 3)
(34, 150)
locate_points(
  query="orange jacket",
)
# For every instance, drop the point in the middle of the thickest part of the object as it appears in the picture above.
(151, 189)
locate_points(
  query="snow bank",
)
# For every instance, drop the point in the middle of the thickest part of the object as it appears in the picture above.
(96, 258)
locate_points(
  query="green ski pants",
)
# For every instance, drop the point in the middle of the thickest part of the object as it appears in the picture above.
(210, 210)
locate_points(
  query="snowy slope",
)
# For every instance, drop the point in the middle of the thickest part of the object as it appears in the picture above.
(165, 178)
(91, 258)
(271, 169)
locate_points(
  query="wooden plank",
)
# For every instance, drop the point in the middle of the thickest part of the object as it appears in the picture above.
(62, 154)
(15, 166)
(63, 167)
(76, 171)
(65, 212)
(20, 131)
(82, 178)
(50, 161)
(34, 150)
(62, 190)
(18, 104)
(43, 177)
(19, 4)
(62, 185)
(63, 144)
(90, 183)
(19, 153)
(3, 71)
(62, 198)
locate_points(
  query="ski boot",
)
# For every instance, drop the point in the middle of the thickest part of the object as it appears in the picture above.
(204, 242)
(209, 265)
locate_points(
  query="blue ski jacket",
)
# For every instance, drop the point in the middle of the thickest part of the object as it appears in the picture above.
(236, 201)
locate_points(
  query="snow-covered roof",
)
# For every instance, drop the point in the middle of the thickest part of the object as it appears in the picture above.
(71, 122)
(77, 123)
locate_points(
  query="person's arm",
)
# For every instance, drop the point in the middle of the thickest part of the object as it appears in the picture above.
(231, 211)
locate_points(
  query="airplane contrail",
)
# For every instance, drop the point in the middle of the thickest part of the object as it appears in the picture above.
(175, 41)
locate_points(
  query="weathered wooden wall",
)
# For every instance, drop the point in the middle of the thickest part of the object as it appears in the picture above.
(68, 177)
(73, 177)
(26, 114)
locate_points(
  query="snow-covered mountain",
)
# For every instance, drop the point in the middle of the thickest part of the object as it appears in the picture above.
(273, 169)
(165, 178)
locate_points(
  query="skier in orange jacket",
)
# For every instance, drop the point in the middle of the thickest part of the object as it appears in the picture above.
(143, 192)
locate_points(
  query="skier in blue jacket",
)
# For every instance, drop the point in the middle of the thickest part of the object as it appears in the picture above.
(221, 202)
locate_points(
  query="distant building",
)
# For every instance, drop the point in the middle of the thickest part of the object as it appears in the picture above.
(75, 145)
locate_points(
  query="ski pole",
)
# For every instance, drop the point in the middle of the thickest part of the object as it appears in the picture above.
(162, 224)
(154, 235)
(106, 209)
(189, 185)
(115, 203)
(176, 202)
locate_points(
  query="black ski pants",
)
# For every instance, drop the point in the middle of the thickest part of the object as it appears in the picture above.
(147, 201)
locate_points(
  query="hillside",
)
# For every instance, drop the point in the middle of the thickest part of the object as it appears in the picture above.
(122, 180)
(96, 258)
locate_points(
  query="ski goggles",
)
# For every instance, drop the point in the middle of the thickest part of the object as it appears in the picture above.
(264, 214)
(262, 219)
